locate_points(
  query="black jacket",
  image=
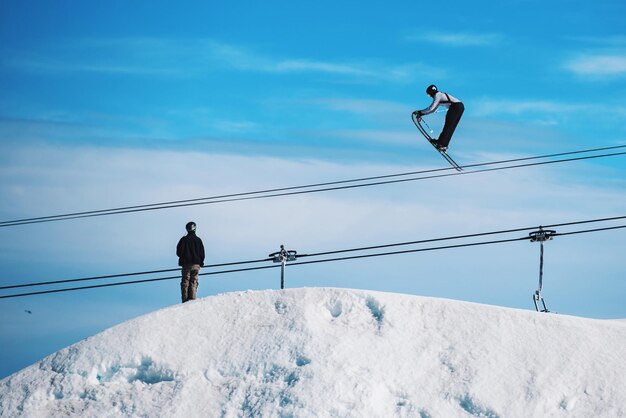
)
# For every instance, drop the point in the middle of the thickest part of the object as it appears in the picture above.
(190, 250)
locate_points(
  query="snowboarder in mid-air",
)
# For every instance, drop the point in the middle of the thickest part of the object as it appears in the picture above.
(453, 116)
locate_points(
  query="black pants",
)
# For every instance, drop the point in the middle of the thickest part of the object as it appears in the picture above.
(453, 116)
(189, 282)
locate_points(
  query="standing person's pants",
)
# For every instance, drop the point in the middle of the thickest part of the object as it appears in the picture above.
(453, 116)
(189, 282)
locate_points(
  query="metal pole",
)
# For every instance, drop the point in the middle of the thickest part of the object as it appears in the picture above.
(282, 273)
(541, 267)
(282, 257)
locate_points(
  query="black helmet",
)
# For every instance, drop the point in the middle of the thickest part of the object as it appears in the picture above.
(431, 90)
(190, 227)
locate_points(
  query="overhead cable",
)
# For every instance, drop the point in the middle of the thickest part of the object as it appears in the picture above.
(315, 188)
(114, 276)
(424, 241)
(354, 257)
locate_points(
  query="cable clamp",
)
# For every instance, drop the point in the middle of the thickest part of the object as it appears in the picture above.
(283, 255)
(541, 235)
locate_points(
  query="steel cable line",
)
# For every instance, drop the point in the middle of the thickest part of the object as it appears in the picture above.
(608, 228)
(113, 276)
(447, 247)
(285, 191)
(43, 292)
(473, 244)
(612, 218)
(256, 268)
(475, 235)
(329, 188)
(417, 250)
(503, 231)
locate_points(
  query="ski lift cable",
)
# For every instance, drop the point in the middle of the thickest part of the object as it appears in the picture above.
(456, 237)
(250, 269)
(265, 193)
(503, 231)
(114, 276)
(608, 228)
(416, 250)
(473, 244)
(163, 204)
(446, 247)
(326, 189)
(158, 279)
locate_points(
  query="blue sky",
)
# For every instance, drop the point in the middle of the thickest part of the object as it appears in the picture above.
(108, 104)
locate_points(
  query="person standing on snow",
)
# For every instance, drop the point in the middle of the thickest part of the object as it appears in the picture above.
(455, 111)
(190, 252)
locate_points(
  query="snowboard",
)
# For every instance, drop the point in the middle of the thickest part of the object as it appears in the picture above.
(418, 123)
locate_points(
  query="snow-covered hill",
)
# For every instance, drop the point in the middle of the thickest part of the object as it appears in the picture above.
(332, 353)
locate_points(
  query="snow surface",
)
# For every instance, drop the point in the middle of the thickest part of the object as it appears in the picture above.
(332, 353)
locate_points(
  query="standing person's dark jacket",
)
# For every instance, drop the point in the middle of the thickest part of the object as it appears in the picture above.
(190, 250)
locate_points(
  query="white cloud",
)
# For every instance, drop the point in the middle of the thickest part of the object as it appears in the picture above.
(598, 65)
(301, 65)
(184, 58)
(125, 56)
(362, 106)
(461, 39)
(45, 65)
(378, 136)
(231, 126)
(485, 107)
(246, 60)
(603, 41)
(51, 180)
(47, 180)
